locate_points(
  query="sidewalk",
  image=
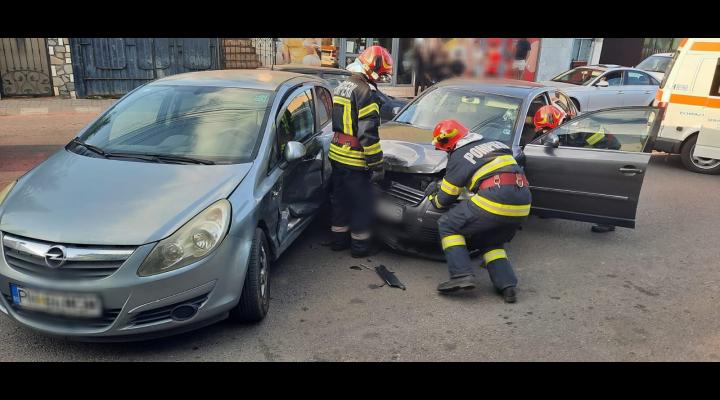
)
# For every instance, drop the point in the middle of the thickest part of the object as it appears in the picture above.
(52, 105)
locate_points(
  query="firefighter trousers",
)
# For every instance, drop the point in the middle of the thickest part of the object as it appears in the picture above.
(467, 224)
(352, 201)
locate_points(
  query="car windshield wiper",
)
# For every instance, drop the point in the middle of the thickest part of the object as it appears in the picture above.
(161, 157)
(90, 147)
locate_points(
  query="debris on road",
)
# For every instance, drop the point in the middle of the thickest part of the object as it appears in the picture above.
(389, 277)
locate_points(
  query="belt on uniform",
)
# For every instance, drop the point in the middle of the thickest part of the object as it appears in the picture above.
(342, 139)
(505, 178)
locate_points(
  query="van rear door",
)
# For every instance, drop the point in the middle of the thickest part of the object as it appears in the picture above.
(708, 142)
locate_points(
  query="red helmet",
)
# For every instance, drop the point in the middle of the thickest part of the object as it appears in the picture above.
(447, 133)
(549, 116)
(376, 61)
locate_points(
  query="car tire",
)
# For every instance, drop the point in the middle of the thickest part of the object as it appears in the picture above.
(696, 164)
(255, 298)
(577, 103)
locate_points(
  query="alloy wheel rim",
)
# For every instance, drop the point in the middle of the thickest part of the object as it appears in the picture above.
(263, 273)
(702, 162)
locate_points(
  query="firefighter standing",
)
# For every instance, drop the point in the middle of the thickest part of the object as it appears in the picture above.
(550, 117)
(355, 152)
(490, 217)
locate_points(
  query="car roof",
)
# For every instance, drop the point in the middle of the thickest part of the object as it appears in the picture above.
(309, 68)
(661, 55)
(507, 87)
(239, 78)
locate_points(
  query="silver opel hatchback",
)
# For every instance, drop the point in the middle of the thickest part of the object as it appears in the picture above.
(164, 213)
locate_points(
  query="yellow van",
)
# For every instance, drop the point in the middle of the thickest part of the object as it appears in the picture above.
(689, 103)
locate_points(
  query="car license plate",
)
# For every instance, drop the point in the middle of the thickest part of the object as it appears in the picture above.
(68, 304)
(390, 211)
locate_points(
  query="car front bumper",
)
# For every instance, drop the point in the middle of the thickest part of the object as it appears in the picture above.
(137, 307)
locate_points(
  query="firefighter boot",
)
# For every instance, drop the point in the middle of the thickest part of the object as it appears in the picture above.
(340, 241)
(509, 295)
(360, 248)
(467, 282)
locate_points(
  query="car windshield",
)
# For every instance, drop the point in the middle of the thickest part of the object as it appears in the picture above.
(578, 76)
(655, 64)
(218, 124)
(490, 115)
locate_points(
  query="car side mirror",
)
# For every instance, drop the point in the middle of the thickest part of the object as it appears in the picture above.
(293, 152)
(395, 110)
(551, 140)
(602, 84)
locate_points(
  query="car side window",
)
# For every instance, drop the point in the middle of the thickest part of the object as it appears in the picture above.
(637, 78)
(324, 105)
(561, 101)
(528, 133)
(296, 122)
(614, 78)
(715, 86)
(625, 130)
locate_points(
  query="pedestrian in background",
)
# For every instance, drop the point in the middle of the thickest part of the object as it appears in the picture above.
(522, 48)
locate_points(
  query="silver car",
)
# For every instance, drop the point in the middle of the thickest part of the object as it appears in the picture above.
(165, 212)
(603, 86)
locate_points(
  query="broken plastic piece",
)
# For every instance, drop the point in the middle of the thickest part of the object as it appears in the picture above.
(389, 277)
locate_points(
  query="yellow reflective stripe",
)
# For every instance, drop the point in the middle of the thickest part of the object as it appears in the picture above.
(345, 160)
(347, 152)
(347, 116)
(497, 163)
(449, 188)
(598, 136)
(493, 255)
(452, 240)
(374, 163)
(508, 210)
(368, 109)
(372, 149)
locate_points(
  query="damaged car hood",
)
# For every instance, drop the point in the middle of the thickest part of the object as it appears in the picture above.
(407, 148)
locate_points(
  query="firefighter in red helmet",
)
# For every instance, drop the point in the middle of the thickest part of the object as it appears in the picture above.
(499, 203)
(355, 152)
(551, 116)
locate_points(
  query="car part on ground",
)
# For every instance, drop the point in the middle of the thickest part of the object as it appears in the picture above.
(389, 277)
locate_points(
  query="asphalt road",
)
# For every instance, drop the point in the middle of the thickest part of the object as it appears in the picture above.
(647, 294)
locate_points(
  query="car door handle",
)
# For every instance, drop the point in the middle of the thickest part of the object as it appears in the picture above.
(620, 92)
(630, 170)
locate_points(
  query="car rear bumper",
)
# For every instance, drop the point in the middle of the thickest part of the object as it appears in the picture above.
(138, 307)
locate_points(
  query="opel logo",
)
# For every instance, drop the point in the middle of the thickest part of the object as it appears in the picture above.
(55, 257)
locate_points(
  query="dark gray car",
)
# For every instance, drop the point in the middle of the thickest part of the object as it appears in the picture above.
(568, 178)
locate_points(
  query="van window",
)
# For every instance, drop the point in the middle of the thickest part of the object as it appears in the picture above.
(715, 87)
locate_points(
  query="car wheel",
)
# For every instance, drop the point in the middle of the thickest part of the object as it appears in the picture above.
(698, 164)
(577, 103)
(255, 297)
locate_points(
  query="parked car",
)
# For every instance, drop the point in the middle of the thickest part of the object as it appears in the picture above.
(390, 107)
(165, 213)
(568, 181)
(656, 65)
(689, 102)
(604, 86)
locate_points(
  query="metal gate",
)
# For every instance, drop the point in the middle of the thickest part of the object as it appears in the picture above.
(115, 66)
(24, 67)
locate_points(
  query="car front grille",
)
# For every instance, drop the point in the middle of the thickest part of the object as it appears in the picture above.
(405, 194)
(82, 262)
(105, 320)
(163, 313)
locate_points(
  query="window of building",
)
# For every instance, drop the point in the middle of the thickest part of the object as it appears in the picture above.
(581, 52)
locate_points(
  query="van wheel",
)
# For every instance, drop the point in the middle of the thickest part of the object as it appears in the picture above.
(255, 297)
(698, 164)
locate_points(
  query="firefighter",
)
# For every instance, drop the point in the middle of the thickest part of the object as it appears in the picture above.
(551, 116)
(488, 219)
(355, 152)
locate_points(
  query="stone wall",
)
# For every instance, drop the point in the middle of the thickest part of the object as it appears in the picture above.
(239, 54)
(61, 67)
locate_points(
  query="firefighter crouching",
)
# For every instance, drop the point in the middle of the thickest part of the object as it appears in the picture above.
(501, 202)
(355, 152)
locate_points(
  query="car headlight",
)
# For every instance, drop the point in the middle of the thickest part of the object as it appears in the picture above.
(192, 242)
(6, 191)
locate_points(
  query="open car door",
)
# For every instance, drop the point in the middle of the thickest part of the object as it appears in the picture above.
(592, 168)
